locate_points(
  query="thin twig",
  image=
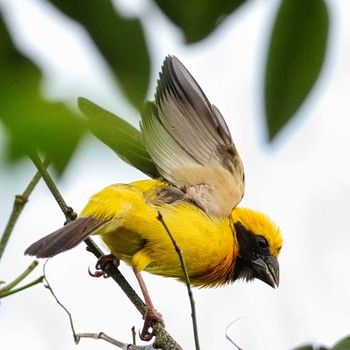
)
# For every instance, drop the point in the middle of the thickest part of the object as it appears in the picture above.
(21, 277)
(187, 280)
(18, 205)
(119, 344)
(133, 333)
(6, 293)
(228, 337)
(67, 211)
(48, 286)
(163, 339)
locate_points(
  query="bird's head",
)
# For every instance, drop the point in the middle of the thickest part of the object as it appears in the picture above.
(259, 242)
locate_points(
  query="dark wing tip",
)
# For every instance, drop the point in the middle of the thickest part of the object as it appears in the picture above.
(176, 77)
(64, 238)
(38, 250)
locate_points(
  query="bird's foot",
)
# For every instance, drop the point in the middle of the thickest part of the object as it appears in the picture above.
(151, 315)
(101, 264)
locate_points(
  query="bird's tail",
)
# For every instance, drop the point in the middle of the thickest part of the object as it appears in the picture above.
(65, 238)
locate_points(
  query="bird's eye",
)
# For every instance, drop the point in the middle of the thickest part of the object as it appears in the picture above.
(262, 242)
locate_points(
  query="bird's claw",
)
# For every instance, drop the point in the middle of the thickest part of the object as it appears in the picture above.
(150, 316)
(101, 265)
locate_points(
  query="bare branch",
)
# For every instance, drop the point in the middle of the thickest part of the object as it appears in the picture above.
(119, 344)
(67, 211)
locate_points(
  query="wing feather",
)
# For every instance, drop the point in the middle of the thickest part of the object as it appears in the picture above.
(190, 143)
(64, 238)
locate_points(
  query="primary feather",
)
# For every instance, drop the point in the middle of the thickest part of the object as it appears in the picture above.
(64, 238)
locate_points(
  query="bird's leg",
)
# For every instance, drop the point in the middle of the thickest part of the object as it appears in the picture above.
(151, 313)
(101, 264)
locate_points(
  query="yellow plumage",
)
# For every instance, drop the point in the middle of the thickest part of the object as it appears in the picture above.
(134, 234)
(259, 223)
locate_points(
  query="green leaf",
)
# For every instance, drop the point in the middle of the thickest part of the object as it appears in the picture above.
(295, 58)
(31, 122)
(198, 18)
(343, 344)
(126, 141)
(120, 40)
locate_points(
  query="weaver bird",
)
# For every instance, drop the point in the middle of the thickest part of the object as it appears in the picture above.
(201, 182)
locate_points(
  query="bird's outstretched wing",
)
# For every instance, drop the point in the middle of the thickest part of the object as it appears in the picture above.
(190, 143)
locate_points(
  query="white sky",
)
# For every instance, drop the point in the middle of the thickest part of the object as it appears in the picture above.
(301, 181)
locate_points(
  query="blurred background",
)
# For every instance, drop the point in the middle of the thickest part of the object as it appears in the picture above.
(300, 178)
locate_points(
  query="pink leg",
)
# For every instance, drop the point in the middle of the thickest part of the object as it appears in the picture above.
(151, 313)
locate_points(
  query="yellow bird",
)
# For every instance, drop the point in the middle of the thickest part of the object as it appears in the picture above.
(202, 183)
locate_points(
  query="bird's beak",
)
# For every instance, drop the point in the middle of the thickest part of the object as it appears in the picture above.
(267, 270)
